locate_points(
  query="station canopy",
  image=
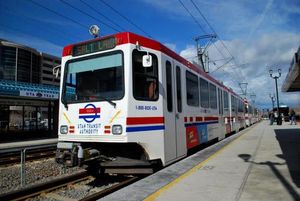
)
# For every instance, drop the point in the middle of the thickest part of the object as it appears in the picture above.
(28, 90)
(292, 80)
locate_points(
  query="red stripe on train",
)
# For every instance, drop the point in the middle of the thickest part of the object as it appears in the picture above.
(211, 118)
(145, 120)
(89, 110)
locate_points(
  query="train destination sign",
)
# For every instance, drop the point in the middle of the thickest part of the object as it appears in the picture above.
(94, 46)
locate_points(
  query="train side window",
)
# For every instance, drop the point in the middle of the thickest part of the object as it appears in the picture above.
(241, 106)
(212, 96)
(178, 89)
(145, 80)
(233, 104)
(204, 93)
(226, 103)
(220, 98)
(192, 89)
(169, 86)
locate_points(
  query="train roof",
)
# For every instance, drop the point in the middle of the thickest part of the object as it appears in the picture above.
(132, 38)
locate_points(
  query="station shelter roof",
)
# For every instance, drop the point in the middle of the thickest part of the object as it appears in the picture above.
(9, 88)
(292, 80)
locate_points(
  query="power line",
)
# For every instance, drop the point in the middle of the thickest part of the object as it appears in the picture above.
(124, 17)
(92, 8)
(63, 16)
(196, 21)
(221, 53)
(222, 65)
(233, 58)
(87, 14)
(197, 8)
(33, 21)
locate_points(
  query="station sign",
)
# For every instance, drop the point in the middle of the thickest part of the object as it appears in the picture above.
(36, 94)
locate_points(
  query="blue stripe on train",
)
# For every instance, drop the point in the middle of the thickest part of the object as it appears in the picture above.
(89, 116)
(144, 128)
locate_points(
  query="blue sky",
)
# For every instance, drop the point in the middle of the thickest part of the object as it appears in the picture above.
(259, 34)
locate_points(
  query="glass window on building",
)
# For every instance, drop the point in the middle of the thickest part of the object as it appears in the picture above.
(4, 118)
(15, 118)
(7, 63)
(30, 121)
(24, 65)
(35, 69)
(42, 118)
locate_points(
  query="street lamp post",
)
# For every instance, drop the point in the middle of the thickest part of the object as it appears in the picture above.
(273, 100)
(276, 77)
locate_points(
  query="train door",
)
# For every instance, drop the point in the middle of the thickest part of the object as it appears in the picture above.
(222, 129)
(227, 112)
(174, 144)
(179, 118)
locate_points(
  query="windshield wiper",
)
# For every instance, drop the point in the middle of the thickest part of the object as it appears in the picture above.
(109, 101)
(65, 104)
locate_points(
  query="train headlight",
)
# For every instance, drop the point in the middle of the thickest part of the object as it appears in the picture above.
(94, 30)
(117, 129)
(64, 129)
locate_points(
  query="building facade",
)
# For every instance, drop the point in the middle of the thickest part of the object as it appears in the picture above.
(28, 92)
(47, 64)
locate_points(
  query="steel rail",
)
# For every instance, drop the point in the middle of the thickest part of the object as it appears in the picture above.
(32, 154)
(110, 190)
(40, 188)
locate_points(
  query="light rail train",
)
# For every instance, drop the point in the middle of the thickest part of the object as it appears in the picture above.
(129, 100)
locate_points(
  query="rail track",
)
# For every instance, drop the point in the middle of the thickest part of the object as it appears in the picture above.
(14, 156)
(67, 188)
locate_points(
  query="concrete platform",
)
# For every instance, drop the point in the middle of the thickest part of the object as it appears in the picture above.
(259, 163)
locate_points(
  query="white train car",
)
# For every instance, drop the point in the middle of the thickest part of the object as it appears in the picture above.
(252, 114)
(128, 96)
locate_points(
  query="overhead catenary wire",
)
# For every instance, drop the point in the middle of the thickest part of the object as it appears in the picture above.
(108, 19)
(195, 20)
(26, 20)
(238, 76)
(214, 31)
(124, 17)
(87, 14)
(199, 25)
(57, 13)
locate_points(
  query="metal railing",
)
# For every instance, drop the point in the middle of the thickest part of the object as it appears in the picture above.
(23, 151)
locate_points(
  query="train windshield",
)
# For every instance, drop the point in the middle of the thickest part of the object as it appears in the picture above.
(95, 78)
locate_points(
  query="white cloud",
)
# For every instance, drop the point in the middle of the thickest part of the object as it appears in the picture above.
(274, 50)
(190, 53)
(171, 46)
(261, 18)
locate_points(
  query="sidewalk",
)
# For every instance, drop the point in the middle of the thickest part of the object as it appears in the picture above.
(275, 170)
(260, 163)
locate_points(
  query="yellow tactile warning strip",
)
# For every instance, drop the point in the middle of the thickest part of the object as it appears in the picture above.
(156, 194)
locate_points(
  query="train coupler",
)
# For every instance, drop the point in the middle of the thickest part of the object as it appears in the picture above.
(72, 154)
